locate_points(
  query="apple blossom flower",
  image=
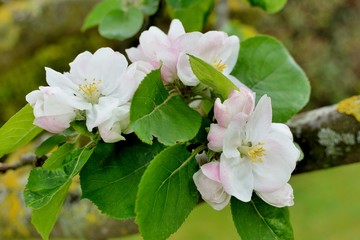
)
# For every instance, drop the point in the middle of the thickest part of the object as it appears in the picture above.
(207, 181)
(163, 50)
(53, 108)
(98, 88)
(259, 156)
(215, 48)
(239, 102)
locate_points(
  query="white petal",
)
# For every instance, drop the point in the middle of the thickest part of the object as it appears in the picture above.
(56, 79)
(111, 130)
(79, 66)
(282, 197)
(100, 112)
(236, 177)
(184, 71)
(260, 120)
(54, 124)
(234, 136)
(136, 54)
(278, 163)
(282, 128)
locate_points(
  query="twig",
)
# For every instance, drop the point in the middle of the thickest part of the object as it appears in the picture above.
(27, 159)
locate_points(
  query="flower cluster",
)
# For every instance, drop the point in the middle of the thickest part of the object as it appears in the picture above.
(247, 152)
(256, 154)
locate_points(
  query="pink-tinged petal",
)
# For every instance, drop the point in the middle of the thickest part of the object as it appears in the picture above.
(234, 136)
(212, 171)
(136, 54)
(211, 191)
(260, 120)
(242, 101)
(236, 177)
(216, 137)
(281, 197)
(277, 165)
(176, 29)
(152, 41)
(54, 124)
(186, 43)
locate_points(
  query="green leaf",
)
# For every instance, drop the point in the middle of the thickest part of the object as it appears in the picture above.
(98, 13)
(149, 7)
(265, 66)
(211, 77)
(46, 146)
(270, 6)
(44, 218)
(256, 220)
(121, 24)
(18, 131)
(111, 177)
(56, 158)
(192, 14)
(154, 112)
(43, 184)
(167, 193)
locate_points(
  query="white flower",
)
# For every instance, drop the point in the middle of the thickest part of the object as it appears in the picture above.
(257, 155)
(215, 48)
(207, 181)
(99, 88)
(157, 48)
(240, 102)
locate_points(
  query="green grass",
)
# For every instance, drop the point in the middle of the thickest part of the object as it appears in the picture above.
(327, 207)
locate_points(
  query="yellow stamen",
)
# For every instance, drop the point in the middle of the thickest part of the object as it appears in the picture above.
(219, 65)
(255, 153)
(90, 90)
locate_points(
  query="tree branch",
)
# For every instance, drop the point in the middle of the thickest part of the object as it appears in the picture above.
(327, 137)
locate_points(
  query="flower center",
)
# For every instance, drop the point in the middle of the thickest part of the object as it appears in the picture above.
(255, 153)
(219, 65)
(90, 90)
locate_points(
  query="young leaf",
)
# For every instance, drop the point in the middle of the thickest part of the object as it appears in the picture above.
(49, 144)
(270, 6)
(121, 24)
(18, 130)
(167, 193)
(111, 177)
(98, 13)
(44, 184)
(154, 112)
(44, 218)
(256, 220)
(265, 66)
(211, 77)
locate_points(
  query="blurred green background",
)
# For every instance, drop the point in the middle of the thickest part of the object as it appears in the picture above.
(323, 36)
